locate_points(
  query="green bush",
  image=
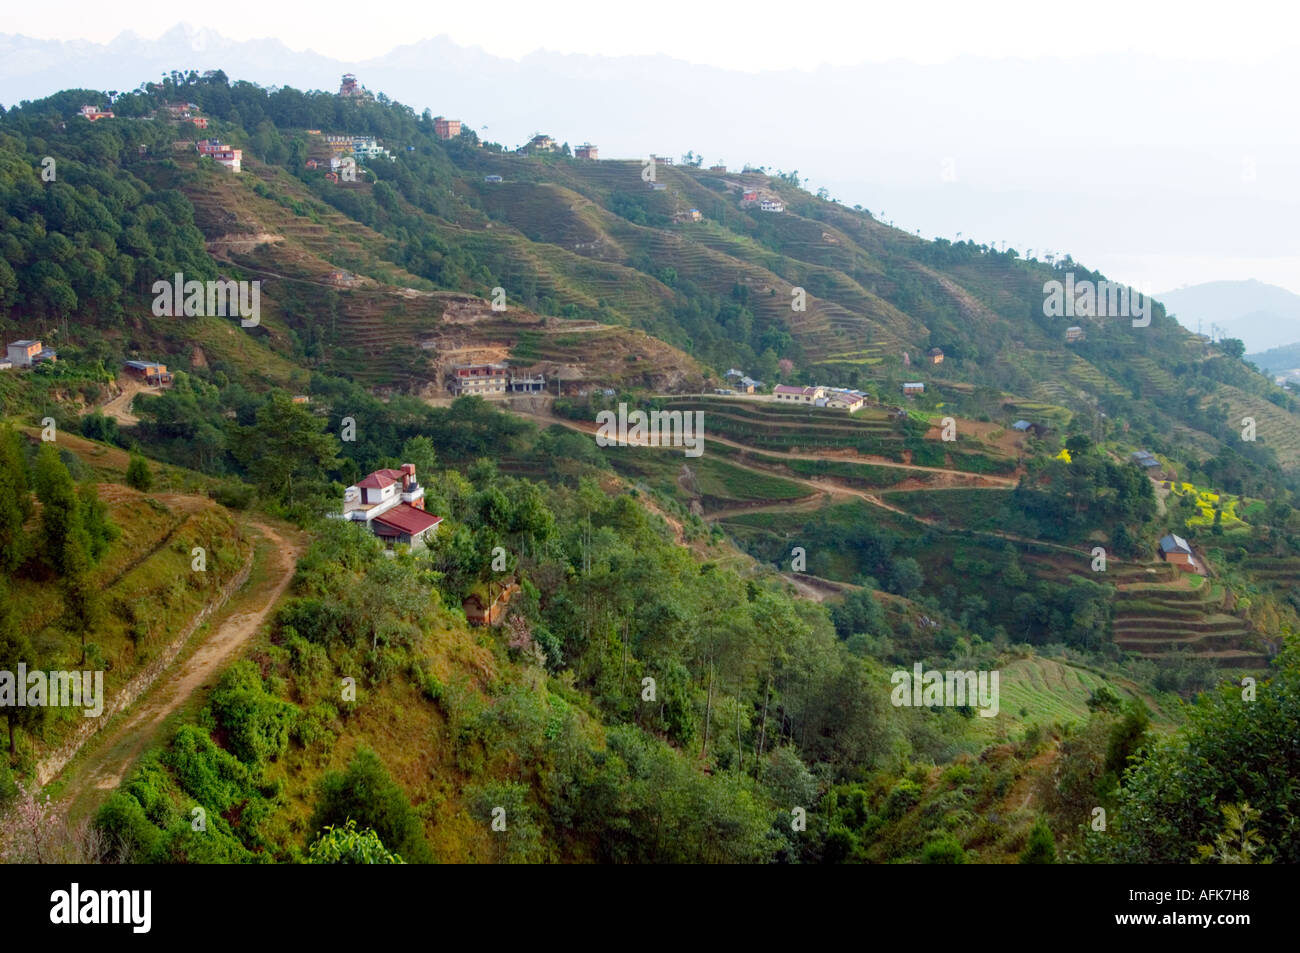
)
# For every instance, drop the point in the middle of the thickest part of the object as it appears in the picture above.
(1040, 849)
(366, 794)
(123, 823)
(213, 777)
(944, 849)
(347, 845)
(138, 474)
(905, 796)
(234, 496)
(257, 723)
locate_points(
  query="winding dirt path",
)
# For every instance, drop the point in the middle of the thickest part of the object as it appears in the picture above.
(979, 481)
(119, 407)
(828, 485)
(116, 751)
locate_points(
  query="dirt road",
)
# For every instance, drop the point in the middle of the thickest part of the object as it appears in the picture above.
(119, 407)
(117, 750)
(824, 485)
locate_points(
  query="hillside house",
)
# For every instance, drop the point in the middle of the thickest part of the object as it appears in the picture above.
(846, 400)
(367, 147)
(934, 355)
(340, 145)
(479, 379)
(1178, 552)
(695, 215)
(662, 160)
(229, 158)
(1074, 334)
(223, 154)
(540, 143)
(488, 610)
(23, 353)
(657, 186)
(301, 398)
(200, 121)
(586, 151)
(1145, 459)
(391, 505)
(491, 178)
(94, 112)
(1033, 429)
(717, 168)
(734, 373)
(749, 195)
(798, 395)
(771, 205)
(747, 385)
(912, 388)
(151, 372)
(446, 128)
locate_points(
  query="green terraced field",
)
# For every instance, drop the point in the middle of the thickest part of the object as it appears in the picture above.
(1051, 692)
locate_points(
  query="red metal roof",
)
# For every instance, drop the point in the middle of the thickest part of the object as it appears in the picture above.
(380, 479)
(407, 519)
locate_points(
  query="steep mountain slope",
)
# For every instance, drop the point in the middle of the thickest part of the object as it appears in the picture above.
(932, 528)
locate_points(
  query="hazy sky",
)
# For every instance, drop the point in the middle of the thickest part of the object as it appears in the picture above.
(751, 35)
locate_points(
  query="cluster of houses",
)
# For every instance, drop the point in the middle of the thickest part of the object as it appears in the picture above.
(751, 197)
(832, 398)
(1145, 459)
(361, 147)
(488, 379)
(183, 112)
(740, 381)
(26, 353)
(220, 153)
(30, 352)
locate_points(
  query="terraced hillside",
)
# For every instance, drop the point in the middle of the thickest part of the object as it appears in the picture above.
(325, 278)
(1183, 613)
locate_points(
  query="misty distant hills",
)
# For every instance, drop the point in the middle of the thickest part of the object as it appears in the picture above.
(1263, 316)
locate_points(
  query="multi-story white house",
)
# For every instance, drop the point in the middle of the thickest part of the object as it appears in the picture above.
(391, 504)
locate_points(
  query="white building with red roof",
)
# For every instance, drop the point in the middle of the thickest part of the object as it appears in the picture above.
(391, 504)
